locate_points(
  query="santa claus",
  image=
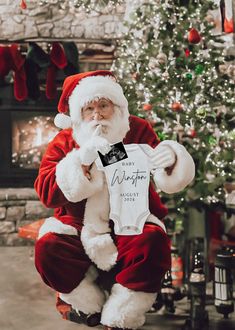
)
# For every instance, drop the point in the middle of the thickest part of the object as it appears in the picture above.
(79, 242)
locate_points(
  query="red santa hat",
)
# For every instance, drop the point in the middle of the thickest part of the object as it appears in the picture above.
(81, 88)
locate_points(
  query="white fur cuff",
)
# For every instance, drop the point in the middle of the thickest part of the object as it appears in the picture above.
(87, 297)
(52, 225)
(71, 180)
(182, 174)
(99, 247)
(126, 308)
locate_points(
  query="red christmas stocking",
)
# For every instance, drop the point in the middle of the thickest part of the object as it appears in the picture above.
(20, 87)
(58, 61)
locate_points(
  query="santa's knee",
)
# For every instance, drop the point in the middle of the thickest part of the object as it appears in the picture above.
(61, 261)
(154, 244)
(46, 250)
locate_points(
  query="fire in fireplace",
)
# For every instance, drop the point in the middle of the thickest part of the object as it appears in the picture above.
(31, 134)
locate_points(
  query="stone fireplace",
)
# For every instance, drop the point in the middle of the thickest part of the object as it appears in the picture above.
(26, 128)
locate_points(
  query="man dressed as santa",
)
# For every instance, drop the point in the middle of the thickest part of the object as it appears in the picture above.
(80, 242)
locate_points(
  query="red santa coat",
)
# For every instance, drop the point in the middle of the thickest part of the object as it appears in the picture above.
(61, 260)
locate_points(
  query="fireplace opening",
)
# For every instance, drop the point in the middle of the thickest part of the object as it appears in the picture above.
(31, 133)
(24, 137)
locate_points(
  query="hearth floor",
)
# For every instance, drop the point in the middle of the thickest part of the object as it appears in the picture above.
(27, 304)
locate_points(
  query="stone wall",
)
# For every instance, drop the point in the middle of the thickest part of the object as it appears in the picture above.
(18, 207)
(49, 21)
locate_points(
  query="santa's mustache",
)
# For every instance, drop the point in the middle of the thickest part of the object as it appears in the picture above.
(102, 122)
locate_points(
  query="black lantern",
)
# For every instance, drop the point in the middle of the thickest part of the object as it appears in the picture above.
(197, 290)
(223, 284)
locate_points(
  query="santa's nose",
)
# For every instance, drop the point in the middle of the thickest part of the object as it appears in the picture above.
(97, 115)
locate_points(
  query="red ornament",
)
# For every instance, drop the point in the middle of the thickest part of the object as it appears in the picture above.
(147, 107)
(192, 133)
(187, 52)
(193, 36)
(176, 106)
(23, 4)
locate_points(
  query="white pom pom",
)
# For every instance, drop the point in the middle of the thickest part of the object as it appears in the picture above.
(62, 121)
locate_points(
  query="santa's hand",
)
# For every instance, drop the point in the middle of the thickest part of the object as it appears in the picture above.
(164, 157)
(89, 151)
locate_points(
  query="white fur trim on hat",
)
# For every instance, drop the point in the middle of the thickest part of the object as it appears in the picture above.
(62, 121)
(183, 172)
(87, 297)
(94, 87)
(126, 308)
(52, 225)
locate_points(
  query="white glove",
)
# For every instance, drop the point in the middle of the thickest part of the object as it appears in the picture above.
(163, 157)
(89, 151)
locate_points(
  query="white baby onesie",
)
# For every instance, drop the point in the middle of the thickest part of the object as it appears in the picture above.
(128, 185)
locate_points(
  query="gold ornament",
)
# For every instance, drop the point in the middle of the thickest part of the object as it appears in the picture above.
(162, 58)
(223, 68)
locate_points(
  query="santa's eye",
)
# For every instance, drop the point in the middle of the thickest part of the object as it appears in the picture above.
(88, 109)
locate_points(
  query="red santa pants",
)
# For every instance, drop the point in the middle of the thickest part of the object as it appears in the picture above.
(141, 264)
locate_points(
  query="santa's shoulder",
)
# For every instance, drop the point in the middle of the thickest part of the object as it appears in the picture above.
(140, 132)
(137, 121)
(64, 140)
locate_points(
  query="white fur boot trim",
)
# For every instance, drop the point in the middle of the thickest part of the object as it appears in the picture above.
(52, 225)
(126, 308)
(87, 297)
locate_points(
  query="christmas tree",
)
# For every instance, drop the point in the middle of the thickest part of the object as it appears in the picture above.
(174, 73)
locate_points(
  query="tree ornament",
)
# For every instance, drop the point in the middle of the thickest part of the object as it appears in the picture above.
(199, 69)
(187, 52)
(189, 76)
(176, 106)
(147, 107)
(23, 4)
(162, 58)
(194, 36)
(212, 140)
(201, 112)
(223, 68)
(192, 133)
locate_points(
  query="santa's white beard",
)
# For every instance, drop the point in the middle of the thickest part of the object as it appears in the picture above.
(114, 129)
